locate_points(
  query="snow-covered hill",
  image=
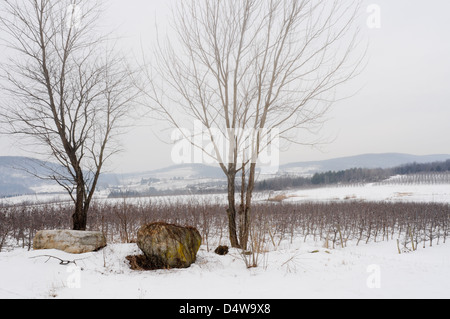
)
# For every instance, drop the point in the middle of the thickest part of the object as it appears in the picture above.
(19, 175)
(387, 160)
(15, 178)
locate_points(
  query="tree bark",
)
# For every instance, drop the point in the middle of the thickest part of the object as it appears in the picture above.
(246, 212)
(79, 217)
(231, 211)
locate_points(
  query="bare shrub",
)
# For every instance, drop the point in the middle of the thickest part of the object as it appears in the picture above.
(413, 225)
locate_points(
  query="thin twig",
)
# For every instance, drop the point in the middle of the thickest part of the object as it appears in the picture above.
(62, 262)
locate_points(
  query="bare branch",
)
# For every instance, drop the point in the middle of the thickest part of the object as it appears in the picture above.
(67, 89)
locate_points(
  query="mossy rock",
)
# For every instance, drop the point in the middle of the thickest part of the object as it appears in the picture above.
(171, 245)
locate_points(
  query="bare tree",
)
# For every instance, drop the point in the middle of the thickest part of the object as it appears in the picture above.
(251, 71)
(66, 90)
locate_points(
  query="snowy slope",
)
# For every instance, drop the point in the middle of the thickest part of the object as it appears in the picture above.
(15, 181)
(420, 193)
(373, 192)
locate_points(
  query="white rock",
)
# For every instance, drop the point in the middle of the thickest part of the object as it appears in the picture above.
(69, 241)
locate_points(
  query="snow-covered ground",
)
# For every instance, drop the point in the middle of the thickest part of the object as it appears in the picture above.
(438, 193)
(366, 271)
(289, 271)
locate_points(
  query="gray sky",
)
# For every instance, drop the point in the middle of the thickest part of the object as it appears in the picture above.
(403, 106)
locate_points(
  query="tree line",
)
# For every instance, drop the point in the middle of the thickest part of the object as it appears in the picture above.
(414, 168)
(351, 176)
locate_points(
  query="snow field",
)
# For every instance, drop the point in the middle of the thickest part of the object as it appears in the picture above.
(374, 192)
(437, 193)
(300, 270)
(288, 270)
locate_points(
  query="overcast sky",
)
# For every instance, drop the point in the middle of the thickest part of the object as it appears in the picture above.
(403, 105)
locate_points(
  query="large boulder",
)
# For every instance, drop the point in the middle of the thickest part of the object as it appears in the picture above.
(69, 241)
(169, 246)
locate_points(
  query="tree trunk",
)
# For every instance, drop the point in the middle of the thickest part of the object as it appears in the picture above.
(231, 211)
(246, 211)
(79, 218)
(245, 227)
(80, 215)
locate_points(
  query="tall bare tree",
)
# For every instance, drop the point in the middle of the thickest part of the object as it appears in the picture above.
(249, 71)
(66, 90)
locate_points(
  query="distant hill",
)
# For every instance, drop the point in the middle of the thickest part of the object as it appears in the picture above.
(14, 180)
(186, 171)
(21, 176)
(18, 175)
(387, 160)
